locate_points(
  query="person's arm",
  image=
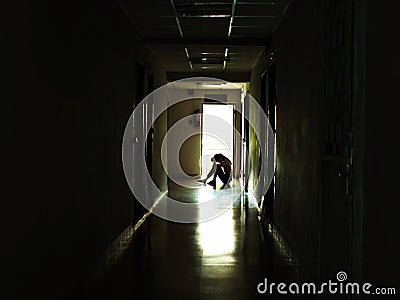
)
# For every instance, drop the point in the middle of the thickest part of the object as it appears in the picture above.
(211, 173)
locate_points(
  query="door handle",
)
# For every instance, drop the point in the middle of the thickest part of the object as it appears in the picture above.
(345, 173)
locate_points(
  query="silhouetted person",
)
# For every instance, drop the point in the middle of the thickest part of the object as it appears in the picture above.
(222, 167)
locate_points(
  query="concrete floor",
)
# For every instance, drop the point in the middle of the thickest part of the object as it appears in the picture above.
(224, 258)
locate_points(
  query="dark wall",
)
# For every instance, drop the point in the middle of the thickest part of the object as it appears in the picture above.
(71, 70)
(381, 205)
(253, 143)
(298, 47)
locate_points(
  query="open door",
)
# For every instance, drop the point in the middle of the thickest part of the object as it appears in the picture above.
(217, 133)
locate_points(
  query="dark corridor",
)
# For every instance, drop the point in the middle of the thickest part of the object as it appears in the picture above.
(324, 72)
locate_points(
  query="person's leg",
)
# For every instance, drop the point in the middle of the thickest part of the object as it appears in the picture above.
(224, 178)
(225, 181)
(218, 171)
(213, 182)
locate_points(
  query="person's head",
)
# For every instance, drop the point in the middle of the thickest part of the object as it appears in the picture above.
(219, 157)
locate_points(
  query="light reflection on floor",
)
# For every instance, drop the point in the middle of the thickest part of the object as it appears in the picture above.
(223, 258)
(191, 191)
(216, 237)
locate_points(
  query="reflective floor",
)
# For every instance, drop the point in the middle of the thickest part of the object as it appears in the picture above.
(224, 258)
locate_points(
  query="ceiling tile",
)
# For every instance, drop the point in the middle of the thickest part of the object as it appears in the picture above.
(266, 9)
(200, 27)
(144, 22)
(148, 8)
(255, 21)
(247, 32)
(262, 1)
(193, 2)
(165, 32)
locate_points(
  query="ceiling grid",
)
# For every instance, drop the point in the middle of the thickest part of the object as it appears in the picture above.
(202, 35)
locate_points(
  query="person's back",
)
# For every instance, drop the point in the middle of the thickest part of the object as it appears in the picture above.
(226, 164)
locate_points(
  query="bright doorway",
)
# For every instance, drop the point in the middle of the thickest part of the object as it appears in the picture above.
(217, 133)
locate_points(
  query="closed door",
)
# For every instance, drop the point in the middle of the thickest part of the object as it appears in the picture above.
(336, 202)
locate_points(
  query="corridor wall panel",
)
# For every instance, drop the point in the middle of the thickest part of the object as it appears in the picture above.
(297, 48)
(74, 71)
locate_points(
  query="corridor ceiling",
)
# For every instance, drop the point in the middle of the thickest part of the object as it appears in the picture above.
(206, 36)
